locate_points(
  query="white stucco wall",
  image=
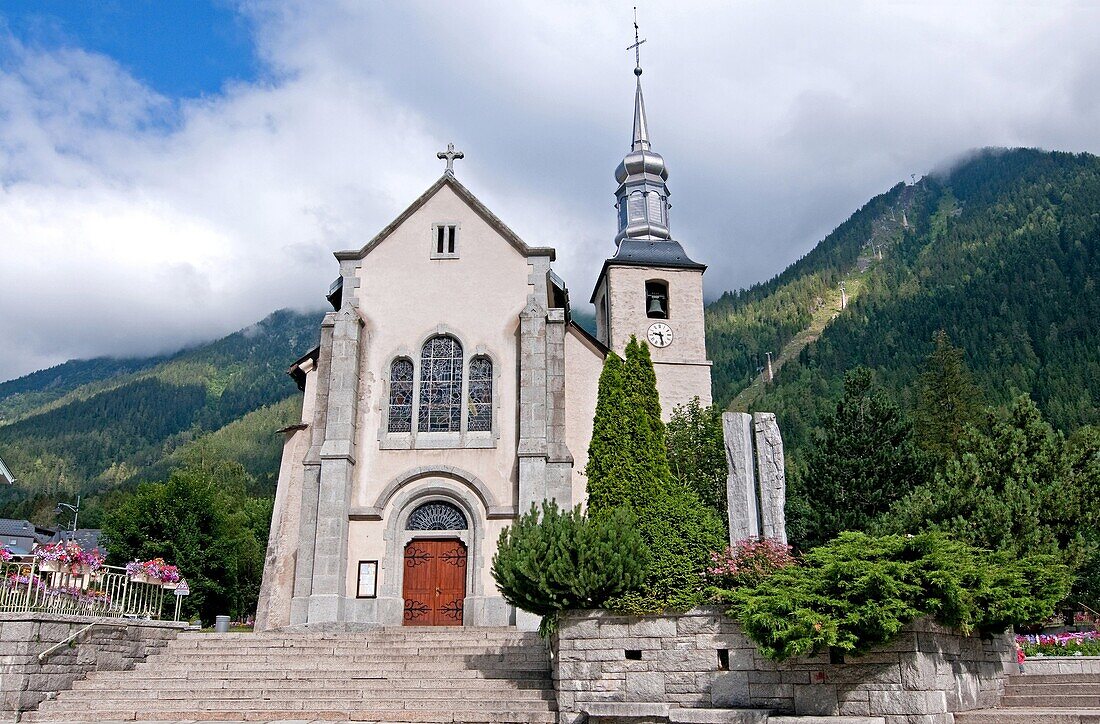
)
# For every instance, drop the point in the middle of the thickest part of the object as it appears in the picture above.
(583, 364)
(405, 297)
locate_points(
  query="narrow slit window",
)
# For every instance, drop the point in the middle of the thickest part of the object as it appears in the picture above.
(444, 241)
(401, 396)
(479, 405)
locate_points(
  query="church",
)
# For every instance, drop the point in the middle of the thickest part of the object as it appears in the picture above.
(427, 427)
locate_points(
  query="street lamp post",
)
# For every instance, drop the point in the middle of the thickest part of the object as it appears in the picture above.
(75, 510)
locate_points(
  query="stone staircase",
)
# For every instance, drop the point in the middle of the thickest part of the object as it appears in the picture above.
(385, 675)
(1043, 699)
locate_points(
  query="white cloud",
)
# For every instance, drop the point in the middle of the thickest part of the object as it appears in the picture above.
(132, 223)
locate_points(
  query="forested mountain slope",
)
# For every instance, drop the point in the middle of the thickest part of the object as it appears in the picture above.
(743, 326)
(1002, 252)
(134, 419)
(31, 392)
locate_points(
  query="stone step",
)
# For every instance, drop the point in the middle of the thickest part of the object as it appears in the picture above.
(102, 716)
(375, 670)
(119, 681)
(222, 645)
(355, 656)
(265, 693)
(1053, 689)
(325, 674)
(1014, 679)
(281, 709)
(1063, 700)
(442, 633)
(349, 644)
(332, 703)
(1044, 715)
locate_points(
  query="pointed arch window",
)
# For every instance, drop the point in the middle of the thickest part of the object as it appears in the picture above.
(401, 396)
(440, 385)
(479, 406)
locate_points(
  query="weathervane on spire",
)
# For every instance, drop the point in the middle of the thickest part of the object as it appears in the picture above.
(637, 45)
(450, 155)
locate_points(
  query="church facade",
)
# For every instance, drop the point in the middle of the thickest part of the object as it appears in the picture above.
(428, 426)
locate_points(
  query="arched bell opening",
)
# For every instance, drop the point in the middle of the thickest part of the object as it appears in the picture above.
(656, 299)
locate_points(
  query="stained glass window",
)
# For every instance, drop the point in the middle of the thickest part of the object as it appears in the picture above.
(401, 396)
(436, 516)
(479, 406)
(440, 385)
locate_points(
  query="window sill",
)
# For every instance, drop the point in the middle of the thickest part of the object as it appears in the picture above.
(437, 441)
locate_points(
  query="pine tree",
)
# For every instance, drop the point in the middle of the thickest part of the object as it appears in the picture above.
(554, 560)
(947, 400)
(863, 462)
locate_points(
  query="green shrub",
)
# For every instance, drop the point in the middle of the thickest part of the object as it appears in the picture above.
(859, 591)
(697, 452)
(557, 560)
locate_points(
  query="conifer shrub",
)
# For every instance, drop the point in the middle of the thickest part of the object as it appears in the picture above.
(859, 591)
(552, 560)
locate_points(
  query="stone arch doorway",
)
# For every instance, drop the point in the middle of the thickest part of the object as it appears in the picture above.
(434, 566)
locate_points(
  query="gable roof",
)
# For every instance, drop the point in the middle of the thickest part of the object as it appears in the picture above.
(448, 179)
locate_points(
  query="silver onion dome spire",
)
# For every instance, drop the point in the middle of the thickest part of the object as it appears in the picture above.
(642, 196)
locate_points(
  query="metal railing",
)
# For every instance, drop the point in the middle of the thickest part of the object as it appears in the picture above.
(28, 584)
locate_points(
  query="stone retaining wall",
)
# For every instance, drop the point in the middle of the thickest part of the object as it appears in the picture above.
(701, 659)
(117, 645)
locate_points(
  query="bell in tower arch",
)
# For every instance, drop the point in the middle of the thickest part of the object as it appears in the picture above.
(656, 293)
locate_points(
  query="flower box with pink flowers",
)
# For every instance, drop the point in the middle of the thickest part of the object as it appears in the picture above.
(155, 571)
(68, 556)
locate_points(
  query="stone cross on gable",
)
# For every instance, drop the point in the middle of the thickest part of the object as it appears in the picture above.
(450, 154)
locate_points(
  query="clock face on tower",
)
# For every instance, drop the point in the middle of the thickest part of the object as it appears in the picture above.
(660, 334)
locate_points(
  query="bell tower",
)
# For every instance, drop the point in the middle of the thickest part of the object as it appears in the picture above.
(649, 287)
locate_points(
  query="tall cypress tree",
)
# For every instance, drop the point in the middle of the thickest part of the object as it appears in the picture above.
(645, 407)
(611, 459)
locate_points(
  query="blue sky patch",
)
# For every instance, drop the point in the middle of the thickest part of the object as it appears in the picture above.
(180, 48)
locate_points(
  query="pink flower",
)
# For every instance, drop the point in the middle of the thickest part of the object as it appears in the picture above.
(749, 561)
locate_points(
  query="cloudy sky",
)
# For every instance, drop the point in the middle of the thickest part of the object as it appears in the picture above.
(172, 171)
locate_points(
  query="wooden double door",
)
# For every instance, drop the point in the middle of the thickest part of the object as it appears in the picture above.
(434, 582)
